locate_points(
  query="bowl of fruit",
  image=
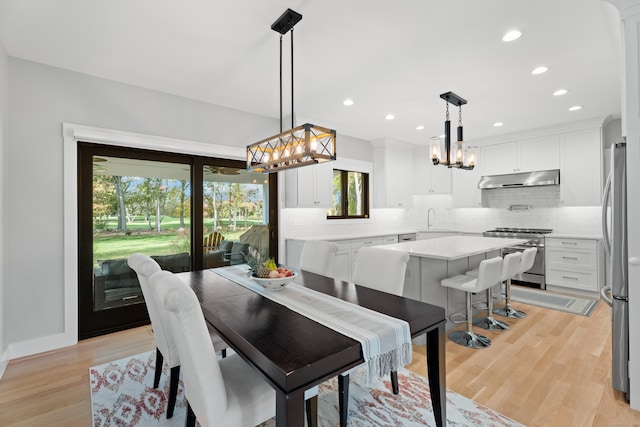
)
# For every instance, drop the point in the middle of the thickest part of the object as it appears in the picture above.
(268, 275)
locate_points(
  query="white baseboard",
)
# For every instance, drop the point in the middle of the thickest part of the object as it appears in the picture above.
(4, 361)
(40, 345)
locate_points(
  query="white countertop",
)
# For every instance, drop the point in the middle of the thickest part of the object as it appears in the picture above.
(575, 236)
(355, 235)
(453, 247)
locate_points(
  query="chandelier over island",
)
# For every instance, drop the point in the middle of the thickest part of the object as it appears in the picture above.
(452, 156)
(300, 146)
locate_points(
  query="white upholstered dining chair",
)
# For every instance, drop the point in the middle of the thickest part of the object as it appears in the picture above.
(318, 257)
(145, 267)
(225, 392)
(383, 270)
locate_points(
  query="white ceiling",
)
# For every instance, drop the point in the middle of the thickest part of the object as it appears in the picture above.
(388, 56)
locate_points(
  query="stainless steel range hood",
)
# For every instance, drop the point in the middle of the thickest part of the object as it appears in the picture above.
(523, 179)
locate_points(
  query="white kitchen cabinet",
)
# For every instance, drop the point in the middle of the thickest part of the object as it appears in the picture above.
(392, 174)
(427, 177)
(309, 186)
(581, 168)
(574, 264)
(465, 193)
(526, 155)
(539, 154)
(500, 159)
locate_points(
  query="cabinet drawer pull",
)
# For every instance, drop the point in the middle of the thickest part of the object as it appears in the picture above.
(368, 243)
(570, 243)
(569, 277)
(569, 257)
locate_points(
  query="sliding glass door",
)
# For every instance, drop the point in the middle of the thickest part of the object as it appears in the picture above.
(135, 201)
(235, 214)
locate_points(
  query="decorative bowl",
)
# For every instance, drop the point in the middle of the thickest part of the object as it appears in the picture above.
(274, 284)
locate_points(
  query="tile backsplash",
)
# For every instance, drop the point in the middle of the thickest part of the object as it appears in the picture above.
(547, 196)
(313, 222)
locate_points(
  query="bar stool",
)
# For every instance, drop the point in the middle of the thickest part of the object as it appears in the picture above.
(488, 275)
(526, 262)
(508, 271)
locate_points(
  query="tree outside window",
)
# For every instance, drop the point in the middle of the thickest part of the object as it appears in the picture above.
(350, 195)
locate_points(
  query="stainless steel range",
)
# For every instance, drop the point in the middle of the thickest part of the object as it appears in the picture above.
(534, 276)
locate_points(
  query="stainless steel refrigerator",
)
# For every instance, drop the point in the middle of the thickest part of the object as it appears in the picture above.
(614, 228)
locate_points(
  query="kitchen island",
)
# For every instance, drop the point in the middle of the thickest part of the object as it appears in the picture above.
(436, 259)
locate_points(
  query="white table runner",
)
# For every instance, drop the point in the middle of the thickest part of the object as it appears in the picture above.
(385, 340)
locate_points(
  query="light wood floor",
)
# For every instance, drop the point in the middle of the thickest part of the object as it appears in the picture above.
(549, 369)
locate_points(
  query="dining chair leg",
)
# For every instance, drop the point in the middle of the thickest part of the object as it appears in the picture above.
(156, 375)
(191, 417)
(343, 398)
(311, 406)
(394, 382)
(173, 390)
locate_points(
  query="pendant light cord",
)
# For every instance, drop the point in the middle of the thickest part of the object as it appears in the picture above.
(280, 83)
(292, 115)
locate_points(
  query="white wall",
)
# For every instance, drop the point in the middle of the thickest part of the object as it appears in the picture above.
(41, 98)
(4, 112)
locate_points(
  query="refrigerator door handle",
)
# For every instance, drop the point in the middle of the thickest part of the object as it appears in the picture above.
(605, 226)
(603, 294)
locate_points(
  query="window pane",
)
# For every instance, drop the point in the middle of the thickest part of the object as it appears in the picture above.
(355, 197)
(235, 214)
(336, 210)
(139, 206)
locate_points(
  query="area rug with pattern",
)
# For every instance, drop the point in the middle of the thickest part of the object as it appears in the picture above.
(122, 395)
(574, 304)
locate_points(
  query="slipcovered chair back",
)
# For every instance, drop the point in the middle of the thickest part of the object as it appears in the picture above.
(203, 381)
(318, 257)
(145, 267)
(381, 269)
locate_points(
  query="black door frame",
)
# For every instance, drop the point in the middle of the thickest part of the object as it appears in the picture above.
(93, 323)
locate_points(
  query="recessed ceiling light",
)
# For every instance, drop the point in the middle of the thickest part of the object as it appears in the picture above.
(560, 92)
(511, 36)
(347, 102)
(390, 117)
(575, 108)
(498, 124)
(420, 127)
(540, 70)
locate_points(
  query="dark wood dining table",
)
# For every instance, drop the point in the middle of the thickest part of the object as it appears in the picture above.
(294, 353)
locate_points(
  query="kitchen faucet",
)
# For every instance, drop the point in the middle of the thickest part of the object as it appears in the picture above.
(429, 217)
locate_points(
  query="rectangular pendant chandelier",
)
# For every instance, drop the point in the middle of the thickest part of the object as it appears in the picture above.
(303, 145)
(300, 146)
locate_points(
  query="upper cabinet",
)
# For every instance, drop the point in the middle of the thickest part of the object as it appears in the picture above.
(465, 193)
(392, 174)
(521, 156)
(581, 168)
(309, 186)
(427, 177)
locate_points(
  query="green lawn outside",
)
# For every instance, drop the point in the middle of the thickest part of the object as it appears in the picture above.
(111, 245)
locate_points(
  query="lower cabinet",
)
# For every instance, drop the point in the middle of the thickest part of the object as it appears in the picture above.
(575, 264)
(345, 257)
